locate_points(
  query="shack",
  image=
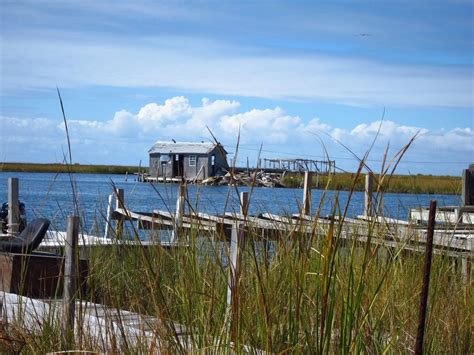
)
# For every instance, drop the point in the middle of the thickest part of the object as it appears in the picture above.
(188, 160)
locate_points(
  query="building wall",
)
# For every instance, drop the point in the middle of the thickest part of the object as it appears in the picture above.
(203, 165)
(201, 168)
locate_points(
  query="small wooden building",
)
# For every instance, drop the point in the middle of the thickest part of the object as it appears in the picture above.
(188, 160)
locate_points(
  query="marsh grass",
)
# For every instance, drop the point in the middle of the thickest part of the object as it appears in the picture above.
(69, 168)
(414, 184)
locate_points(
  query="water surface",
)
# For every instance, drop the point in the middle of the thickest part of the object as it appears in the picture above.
(50, 195)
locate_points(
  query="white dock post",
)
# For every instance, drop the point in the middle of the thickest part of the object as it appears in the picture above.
(70, 278)
(108, 218)
(13, 207)
(369, 189)
(236, 248)
(306, 208)
(178, 217)
(237, 243)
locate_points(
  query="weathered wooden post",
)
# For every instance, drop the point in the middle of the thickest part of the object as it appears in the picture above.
(306, 208)
(119, 195)
(244, 203)
(13, 207)
(369, 190)
(426, 280)
(466, 188)
(70, 278)
(467, 194)
(178, 217)
(236, 249)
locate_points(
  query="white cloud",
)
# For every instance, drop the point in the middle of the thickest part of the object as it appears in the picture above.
(386, 129)
(268, 125)
(131, 134)
(154, 115)
(457, 140)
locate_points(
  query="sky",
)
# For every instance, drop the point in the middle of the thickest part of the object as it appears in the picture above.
(285, 79)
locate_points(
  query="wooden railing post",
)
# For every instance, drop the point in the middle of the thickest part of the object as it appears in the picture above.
(13, 207)
(306, 208)
(70, 278)
(369, 189)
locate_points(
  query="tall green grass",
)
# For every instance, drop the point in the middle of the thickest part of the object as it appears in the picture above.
(316, 293)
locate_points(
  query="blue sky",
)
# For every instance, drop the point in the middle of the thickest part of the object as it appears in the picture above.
(296, 77)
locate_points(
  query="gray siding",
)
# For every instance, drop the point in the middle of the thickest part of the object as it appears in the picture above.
(203, 165)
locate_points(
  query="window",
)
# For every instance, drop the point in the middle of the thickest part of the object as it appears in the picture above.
(192, 160)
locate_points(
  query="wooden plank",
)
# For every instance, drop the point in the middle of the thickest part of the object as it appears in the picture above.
(133, 216)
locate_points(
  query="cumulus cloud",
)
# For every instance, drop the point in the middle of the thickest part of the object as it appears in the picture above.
(131, 133)
(268, 125)
(153, 114)
(457, 139)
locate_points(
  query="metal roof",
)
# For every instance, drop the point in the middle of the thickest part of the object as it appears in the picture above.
(182, 148)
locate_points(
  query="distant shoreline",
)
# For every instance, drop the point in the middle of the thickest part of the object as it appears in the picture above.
(415, 184)
(74, 168)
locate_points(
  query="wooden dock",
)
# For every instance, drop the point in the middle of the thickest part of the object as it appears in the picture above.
(105, 328)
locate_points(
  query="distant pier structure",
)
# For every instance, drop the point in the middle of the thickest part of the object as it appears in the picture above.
(301, 165)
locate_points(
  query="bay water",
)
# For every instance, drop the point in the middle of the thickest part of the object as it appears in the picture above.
(51, 196)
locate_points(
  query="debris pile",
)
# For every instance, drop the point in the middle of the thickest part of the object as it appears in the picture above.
(256, 178)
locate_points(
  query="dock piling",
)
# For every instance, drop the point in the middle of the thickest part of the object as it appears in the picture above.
(237, 244)
(119, 204)
(306, 210)
(369, 189)
(70, 278)
(108, 218)
(13, 207)
(236, 249)
(178, 217)
(426, 280)
(244, 203)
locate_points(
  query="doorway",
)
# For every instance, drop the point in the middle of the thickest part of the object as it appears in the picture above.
(178, 165)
